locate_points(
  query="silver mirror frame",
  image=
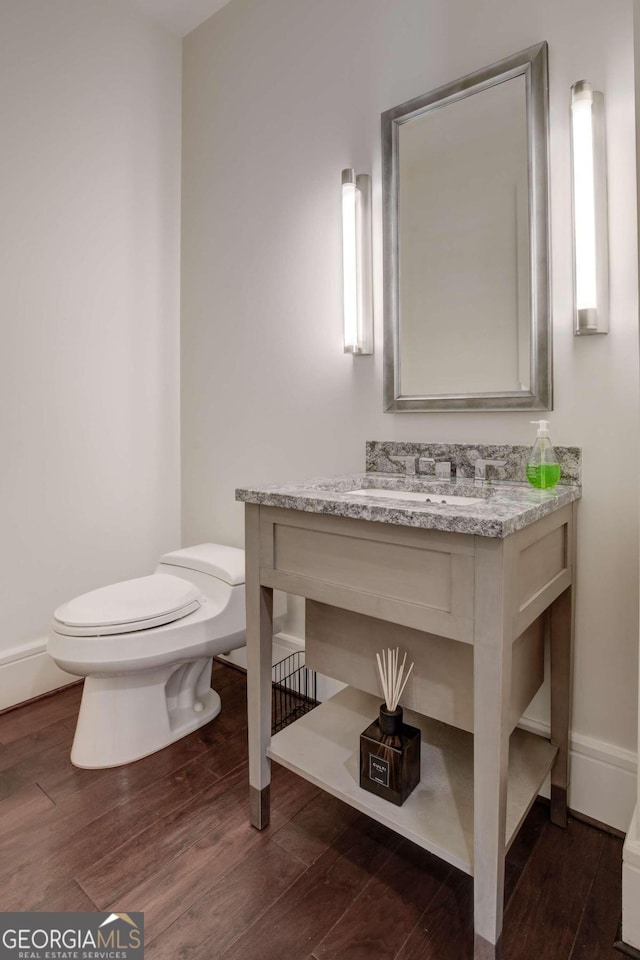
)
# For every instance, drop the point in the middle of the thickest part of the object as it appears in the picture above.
(531, 63)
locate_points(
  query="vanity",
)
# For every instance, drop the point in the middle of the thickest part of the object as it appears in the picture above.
(471, 588)
(442, 550)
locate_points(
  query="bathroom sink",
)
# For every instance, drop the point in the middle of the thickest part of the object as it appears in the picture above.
(415, 497)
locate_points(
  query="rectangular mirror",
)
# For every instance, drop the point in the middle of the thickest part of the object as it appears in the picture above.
(466, 246)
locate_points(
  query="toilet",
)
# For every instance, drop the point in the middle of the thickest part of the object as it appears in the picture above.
(145, 647)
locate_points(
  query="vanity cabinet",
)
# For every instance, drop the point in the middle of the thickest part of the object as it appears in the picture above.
(473, 612)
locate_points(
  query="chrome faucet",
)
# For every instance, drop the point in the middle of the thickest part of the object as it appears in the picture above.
(481, 467)
(409, 464)
(426, 466)
(445, 470)
(440, 469)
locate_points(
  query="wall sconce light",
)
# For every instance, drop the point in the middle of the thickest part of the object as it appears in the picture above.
(356, 263)
(590, 226)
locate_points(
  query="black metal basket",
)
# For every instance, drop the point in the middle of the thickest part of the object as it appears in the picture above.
(294, 690)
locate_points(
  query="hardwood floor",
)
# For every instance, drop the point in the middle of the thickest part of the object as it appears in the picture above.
(169, 835)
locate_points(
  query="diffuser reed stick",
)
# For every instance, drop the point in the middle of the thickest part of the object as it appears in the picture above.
(391, 676)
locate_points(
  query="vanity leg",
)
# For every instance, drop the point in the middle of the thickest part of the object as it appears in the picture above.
(259, 601)
(492, 698)
(560, 624)
(483, 950)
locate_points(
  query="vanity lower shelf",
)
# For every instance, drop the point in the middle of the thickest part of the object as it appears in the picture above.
(323, 747)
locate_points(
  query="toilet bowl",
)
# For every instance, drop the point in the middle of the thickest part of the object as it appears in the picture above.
(145, 647)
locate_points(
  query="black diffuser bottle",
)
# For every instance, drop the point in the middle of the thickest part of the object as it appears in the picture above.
(390, 756)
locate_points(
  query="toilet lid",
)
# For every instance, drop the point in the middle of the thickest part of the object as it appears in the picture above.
(127, 606)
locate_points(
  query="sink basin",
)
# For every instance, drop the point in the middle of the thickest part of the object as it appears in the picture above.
(413, 496)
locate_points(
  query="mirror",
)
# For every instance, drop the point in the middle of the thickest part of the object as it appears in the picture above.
(466, 248)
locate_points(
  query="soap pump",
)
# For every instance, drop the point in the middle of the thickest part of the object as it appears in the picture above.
(543, 469)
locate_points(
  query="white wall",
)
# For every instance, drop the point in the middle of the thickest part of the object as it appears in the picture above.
(631, 849)
(89, 304)
(278, 98)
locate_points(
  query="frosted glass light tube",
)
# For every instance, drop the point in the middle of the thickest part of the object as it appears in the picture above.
(585, 204)
(356, 263)
(589, 210)
(349, 260)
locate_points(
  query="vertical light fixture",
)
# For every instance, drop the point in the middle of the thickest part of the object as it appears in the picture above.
(356, 263)
(590, 227)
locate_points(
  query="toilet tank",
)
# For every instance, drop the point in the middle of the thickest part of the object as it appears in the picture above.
(214, 568)
(206, 565)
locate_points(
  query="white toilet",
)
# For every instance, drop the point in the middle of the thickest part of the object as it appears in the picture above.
(145, 648)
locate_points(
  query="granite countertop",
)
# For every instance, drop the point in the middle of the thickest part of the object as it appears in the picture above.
(502, 506)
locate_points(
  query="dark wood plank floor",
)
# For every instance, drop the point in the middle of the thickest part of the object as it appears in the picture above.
(169, 835)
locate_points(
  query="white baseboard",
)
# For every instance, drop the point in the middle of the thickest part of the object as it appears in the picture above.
(631, 886)
(28, 671)
(603, 783)
(283, 645)
(603, 776)
(289, 640)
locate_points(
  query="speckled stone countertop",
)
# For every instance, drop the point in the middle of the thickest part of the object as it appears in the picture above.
(502, 507)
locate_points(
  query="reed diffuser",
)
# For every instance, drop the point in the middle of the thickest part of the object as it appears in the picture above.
(389, 748)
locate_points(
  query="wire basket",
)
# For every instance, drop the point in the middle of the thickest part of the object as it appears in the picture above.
(294, 690)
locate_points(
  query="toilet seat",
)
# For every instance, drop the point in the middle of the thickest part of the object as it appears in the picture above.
(128, 606)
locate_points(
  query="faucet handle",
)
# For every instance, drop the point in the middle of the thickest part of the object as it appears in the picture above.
(426, 466)
(445, 470)
(481, 467)
(409, 464)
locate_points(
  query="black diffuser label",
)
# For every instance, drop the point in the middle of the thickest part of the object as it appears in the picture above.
(379, 770)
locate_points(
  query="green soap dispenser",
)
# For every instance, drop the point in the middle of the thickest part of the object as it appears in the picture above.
(543, 469)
